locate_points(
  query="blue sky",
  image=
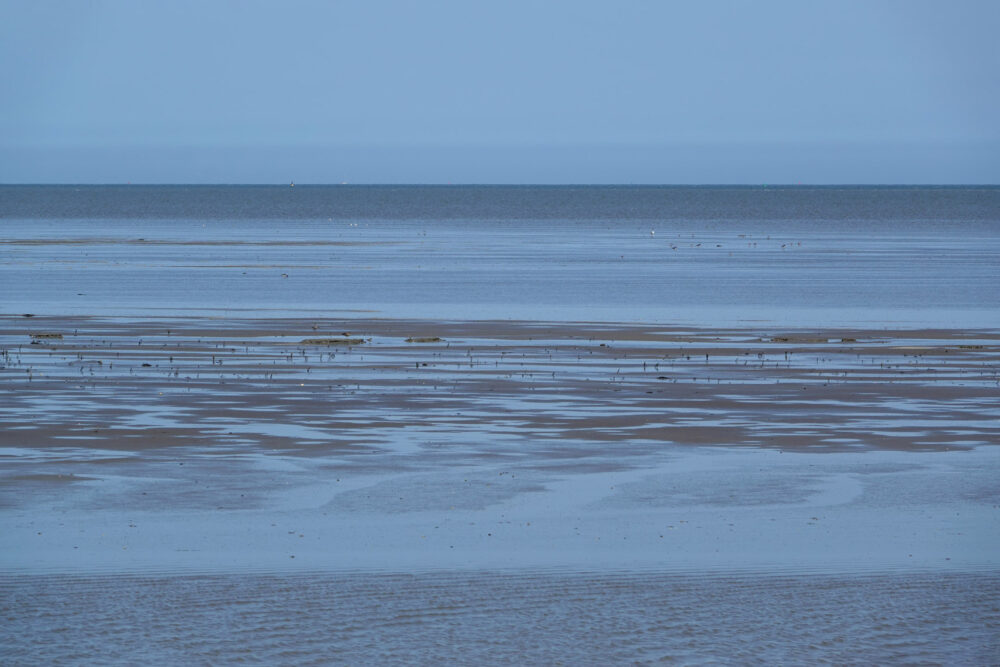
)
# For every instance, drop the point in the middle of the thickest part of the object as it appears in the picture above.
(502, 92)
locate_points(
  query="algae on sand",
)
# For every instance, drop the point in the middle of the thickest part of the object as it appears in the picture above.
(332, 341)
(37, 338)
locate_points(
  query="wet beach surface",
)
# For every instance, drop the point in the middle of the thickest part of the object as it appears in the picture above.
(623, 488)
(505, 618)
(311, 386)
(501, 425)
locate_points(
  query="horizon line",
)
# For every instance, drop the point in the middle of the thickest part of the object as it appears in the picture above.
(292, 184)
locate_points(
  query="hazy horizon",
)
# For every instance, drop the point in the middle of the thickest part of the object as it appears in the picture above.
(602, 165)
(883, 92)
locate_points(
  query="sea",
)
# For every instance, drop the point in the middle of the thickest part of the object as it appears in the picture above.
(702, 256)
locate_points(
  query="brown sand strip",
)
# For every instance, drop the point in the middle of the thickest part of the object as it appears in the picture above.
(542, 390)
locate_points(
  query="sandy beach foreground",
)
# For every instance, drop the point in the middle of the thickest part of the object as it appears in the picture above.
(509, 472)
(391, 430)
(506, 619)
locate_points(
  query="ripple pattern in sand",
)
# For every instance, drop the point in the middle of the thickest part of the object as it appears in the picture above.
(499, 618)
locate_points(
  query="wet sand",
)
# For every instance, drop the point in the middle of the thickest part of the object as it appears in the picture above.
(204, 444)
(368, 425)
(322, 386)
(497, 491)
(505, 619)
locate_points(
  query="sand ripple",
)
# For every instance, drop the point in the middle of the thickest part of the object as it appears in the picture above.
(495, 618)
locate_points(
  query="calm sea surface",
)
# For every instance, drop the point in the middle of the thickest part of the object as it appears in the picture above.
(702, 256)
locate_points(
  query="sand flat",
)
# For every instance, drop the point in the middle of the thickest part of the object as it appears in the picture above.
(765, 433)
(200, 444)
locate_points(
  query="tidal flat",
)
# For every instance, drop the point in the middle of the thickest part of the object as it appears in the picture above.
(641, 480)
(503, 443)
(473, 425)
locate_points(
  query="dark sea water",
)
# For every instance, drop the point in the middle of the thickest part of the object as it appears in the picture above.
(701, 256)
(796, 204)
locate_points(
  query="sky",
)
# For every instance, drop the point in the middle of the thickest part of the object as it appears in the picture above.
(871, 91)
